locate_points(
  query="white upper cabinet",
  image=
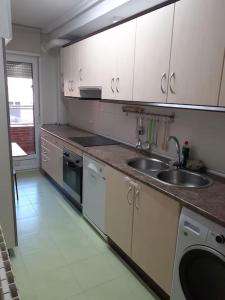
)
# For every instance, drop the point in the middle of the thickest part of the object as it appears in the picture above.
(118, 46)
(174, 54)
(222, 91)
(197, 52)
(67, 70)
(91, 61)
(75, 70)
(125, 45)
(152, 55)
(70, 57)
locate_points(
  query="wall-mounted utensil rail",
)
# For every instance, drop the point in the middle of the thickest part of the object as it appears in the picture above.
(142, 111)
(157, 126)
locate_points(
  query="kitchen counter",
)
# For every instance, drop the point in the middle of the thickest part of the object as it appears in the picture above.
(209, 201)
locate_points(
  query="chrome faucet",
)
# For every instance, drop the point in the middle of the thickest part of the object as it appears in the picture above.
(178, 163)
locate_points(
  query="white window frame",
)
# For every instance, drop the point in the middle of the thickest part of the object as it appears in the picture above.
(31, 161)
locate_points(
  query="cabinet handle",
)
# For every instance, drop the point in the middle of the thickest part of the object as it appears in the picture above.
(112, 84)
(72, 82)
(129, 193)
(117, 84)
(137, 196)
(80, 72)
(162, 78)
(172, 76)
(70, 86)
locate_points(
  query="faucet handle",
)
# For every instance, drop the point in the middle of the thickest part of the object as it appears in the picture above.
(146, 146)
(138, 145)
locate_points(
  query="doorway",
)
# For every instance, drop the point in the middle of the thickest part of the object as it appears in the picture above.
(22, 79)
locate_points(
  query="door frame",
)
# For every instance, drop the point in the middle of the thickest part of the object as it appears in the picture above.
(31, 161)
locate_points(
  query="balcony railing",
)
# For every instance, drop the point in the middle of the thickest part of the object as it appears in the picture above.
(22, 115)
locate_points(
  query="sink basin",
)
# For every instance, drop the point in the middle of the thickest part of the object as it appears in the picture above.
(147, 164)
(183, 178)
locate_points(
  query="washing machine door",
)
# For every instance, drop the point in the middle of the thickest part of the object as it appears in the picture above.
(202, 274)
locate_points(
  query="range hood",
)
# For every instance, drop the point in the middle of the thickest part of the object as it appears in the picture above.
(90, 92)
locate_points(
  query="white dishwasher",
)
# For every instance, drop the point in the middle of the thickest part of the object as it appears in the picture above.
(94, 189)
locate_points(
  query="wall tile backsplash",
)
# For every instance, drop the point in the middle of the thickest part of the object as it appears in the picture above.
(204, 130)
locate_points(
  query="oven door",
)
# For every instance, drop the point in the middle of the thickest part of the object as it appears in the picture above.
(72, 178)
(202, 274)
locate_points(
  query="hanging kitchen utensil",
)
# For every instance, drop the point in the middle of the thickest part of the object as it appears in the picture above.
(163, 145)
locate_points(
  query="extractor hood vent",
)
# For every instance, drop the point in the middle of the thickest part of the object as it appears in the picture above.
(90, 92)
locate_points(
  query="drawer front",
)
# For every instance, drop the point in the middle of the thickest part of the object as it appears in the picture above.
(44, 151)
(52, 139)
(58, 142)
(45, 144)
(45, 135)
(45, 163)
(47, 138)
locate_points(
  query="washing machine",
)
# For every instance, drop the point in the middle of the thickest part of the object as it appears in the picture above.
(199, 267)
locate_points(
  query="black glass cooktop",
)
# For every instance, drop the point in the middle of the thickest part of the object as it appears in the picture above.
(91, 141)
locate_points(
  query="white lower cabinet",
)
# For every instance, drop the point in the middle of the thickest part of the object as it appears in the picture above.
(52, 160)
(119, 209)
(143, 223)
(155, 225)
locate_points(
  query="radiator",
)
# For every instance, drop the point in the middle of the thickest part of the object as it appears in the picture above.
(8, 289)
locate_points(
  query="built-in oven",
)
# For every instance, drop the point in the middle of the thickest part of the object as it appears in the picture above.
(72, 177)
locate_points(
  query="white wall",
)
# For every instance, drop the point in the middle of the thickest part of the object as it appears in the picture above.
(49, 94)
(25, 39)
(28, 41)
(5, 19)
(204, 130)
(7, 208)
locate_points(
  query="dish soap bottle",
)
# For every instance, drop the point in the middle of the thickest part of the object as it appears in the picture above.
(185, 154)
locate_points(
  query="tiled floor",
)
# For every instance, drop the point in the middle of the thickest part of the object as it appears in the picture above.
(60, 256)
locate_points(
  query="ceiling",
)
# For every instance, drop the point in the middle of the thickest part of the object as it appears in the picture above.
(76, 18)
(43, 13)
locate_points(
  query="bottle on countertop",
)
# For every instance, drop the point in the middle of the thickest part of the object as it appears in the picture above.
(185, 154)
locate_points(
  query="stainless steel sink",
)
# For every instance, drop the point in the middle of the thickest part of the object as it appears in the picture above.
(147, 164)
(183, 178)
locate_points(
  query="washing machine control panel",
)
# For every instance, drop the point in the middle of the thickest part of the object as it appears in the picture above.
(220, 239)
(216, 238)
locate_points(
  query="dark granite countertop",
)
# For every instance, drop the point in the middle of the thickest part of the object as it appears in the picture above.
(209, 201)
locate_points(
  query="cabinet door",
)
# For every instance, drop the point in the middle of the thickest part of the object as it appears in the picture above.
(75, 70)
(152, 55)
(124, 36)
(56, 161)
(197, 52)
(45, 162)
(155, 226)
(222, 90)
(67, 62)
(91, 61)
(52, 160)
(108, 44)
(119, 209)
